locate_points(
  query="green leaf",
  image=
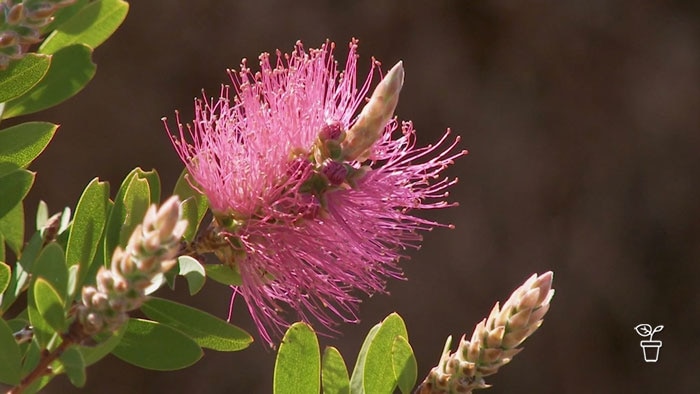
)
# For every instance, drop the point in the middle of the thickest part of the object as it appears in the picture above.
(153, 184)
(130, 206)
(193, 271)
(74, 365)
(10, 356)
(15, 187)
(91, 26)
(71, 69)
(156, 346)
(12, 228)
(334, 374)
(51, 266)
(298, 364)
(358, 373)
(86, 231)
(49, 304)
(22, 74)
(404, 364)
(223, 274)
(208, 331)
(194, 205)
(106, 343)
(378, 370)
(21, 144)
(5, 274)
(63, 14)
(20, 275)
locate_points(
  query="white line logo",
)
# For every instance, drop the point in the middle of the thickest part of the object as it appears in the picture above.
(650, 347)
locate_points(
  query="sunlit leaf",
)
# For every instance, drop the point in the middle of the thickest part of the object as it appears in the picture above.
(298, 363)
(51, 265)
(193, 271)
(223, 274)
(404, 365)
(71, 69)
(378, 370)
(12, 228)
(22, 74)
(15, 187)
(207, 330)
(91, 26)
(49, 304)
(5, 273)
(10, 357)
(334, 374)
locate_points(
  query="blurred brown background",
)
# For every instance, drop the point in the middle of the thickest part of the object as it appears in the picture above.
(582, 122)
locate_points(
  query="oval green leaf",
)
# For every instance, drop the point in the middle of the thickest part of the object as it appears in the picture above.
(130, 206)
(156, 346)
(49, 304)
(379, 374)
(358, 373)
(10, 357)
(208, 331)
(194, 204)
(91, 26)
(71, 69)
(86, 232)
(22, 74)
(23, 143)
(223, 274)
(42, 215)
(404, 364)
(51, 266)
(74, 366)
(298, 363)
(193, 271)
(334, 374)
(5, 273)
(15, 187)
(106, 343)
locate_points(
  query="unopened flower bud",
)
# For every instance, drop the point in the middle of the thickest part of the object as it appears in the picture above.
(375, 115)
(335, 172)
(332, 131)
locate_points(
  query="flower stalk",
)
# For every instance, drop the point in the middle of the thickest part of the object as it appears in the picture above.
(494, 342)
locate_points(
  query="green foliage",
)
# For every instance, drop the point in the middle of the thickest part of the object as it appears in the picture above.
(71, 69)
(49, 305)
(224, 274)
(5, 273)
(194, 204)
(10, 356)
(22, 75)
(12, 229)
(86, 232)
(51, 266)
(105, 344)
(151, 345)
(91, 26)
(193, 271)
(15, 186)
(334, 373)
(385, 362)
(74, 366)
(208, 331)
(298, 364)
(21, 144)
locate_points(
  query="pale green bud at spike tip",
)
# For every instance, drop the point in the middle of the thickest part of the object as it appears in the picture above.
(375, 115)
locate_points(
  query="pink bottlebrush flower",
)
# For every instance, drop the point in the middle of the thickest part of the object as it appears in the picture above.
(313, 201)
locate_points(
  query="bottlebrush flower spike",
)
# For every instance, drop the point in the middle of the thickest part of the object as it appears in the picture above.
(311, 202)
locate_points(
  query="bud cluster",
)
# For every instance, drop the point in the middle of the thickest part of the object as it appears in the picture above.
(494, 341)
(21, 23)
(151, 250)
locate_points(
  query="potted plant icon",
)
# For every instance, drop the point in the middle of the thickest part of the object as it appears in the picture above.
(650, 347)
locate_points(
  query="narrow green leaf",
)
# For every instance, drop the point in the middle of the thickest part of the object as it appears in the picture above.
(88, 225)
(404, 364)
(208, 331)
(105, 344)
(298, 364)
(334, 374)
(31, 357)
(12, 228)
(130, 206)
(91, 26)
(21, 144)
(5, 273)
(63, 14)
(378, 371)
(71, 69)
(358, 373)
(193, 271)
(20, 274)
(194, 204)
(74, 366)
(223, 274)
(153, 183)
(156, 346)
(15, 187)
(2, 248)
(22, 74)
(10, 356)
(49, 304)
